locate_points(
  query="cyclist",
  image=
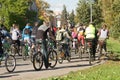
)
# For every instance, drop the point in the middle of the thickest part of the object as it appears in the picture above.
(103, 35)
(81, 31)
(42, 34)
(74, 36)
(26, 35)
(90, 34)
(65, 40)
(34, 31)
(16, 35)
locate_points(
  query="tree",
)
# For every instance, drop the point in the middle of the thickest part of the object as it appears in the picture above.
(71, 18)
(115, 30)
(42, 8)
(83, 12)
(16, 11)
(64, 16)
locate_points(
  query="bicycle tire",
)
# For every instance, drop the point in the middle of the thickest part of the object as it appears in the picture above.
(24, 54)
(90, 57)
(52, 57)
(80, 52)
(12, 49)
(7, 62)
(37, 58)
(60, 58)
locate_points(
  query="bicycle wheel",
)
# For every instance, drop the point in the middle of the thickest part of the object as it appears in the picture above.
(90, 56)
(52, 57)
(24, 53)
(10, 63)
(31, 54)
(20, 51)
(60, 57)
(12, 49)
(37, 61)
(80, 52)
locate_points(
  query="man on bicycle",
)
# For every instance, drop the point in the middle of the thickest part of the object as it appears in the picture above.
(65, 40)
(90, 34)
(42, 34)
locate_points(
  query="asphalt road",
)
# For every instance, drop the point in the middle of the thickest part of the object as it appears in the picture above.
(25, 71)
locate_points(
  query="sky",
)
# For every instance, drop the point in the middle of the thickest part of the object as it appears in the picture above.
(57, 5)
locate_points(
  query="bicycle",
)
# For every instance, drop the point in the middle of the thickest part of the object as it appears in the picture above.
(38, 57)
(62, 53)
(101, 43)
(88, 49)
(15, 49)
(27, 51)
(81, 49)
(75, 45)
(10, 61)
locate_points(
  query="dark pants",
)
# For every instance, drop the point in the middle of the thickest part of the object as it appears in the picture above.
(94, 44)
(66, 48)
(45, 52)
(1, 51)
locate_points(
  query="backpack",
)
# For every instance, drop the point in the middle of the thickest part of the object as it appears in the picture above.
(60, 36)
(26, 31)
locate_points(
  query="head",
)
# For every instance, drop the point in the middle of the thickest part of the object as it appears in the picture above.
(104, 26)
(75, 29)
(16, 26)
(46, 23)
(36, 24)
(28, 24)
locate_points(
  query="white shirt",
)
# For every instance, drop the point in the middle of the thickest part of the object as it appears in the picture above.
(103, 33)
(15, 35)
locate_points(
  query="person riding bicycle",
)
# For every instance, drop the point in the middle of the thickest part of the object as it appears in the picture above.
(16, 35)
(81, 32)
(65, 40)
(74, 36)
(103, 35)
(42, 34)
(90, 34)
(34, 31)
(26, 34)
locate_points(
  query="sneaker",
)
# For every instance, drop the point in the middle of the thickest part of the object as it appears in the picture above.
(49, 64)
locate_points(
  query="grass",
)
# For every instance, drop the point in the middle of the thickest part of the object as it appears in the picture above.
(113, 45)
(110, 70)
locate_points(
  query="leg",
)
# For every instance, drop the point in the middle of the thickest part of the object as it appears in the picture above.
(45, 54)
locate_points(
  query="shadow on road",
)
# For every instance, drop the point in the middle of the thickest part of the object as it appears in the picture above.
(7, 76)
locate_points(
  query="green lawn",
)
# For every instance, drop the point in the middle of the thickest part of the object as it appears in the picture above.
(113, 45)
(110, 70)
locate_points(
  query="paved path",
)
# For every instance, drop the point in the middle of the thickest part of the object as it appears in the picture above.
(25, 71)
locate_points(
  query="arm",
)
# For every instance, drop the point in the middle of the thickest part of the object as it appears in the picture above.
(51, 35)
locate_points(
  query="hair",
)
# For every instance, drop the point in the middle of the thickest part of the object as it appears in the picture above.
(104, 25)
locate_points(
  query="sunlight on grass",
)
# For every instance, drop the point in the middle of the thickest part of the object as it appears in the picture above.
(113, 45)
(107, 71)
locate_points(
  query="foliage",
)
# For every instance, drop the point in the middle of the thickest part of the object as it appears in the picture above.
(16, 11)
(64, 16)
(42, 9)
(116, 19)
(71, 18)
(83, 12)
